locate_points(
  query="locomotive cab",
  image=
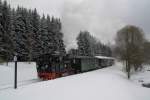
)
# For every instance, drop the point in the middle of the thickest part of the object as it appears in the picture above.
(49, 66)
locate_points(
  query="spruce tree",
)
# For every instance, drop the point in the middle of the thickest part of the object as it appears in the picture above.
(24, 32)
(36, 44)
(5, 36)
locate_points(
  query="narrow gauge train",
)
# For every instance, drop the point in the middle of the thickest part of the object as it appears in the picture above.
(51, 66)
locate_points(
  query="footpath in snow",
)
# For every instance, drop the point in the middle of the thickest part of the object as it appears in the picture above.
(103, 84)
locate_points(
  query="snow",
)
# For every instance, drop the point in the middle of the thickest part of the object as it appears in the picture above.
(104, 57)
(26, 72)
(143, 76)
(104, 84)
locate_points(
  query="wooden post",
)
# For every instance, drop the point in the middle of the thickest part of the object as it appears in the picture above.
(15, 80)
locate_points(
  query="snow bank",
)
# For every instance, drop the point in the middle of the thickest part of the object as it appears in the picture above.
(104, 84)
(26, 72)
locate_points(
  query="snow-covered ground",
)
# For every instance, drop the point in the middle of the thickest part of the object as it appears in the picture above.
(142, 77)
(26, 73)
(103, 84)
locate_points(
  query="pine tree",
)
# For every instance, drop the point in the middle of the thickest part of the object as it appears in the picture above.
(37, 43)
(89, 46)
(20, 34)
(5, 36)
(85, 43)
(44, 35)
(29, 35)
(50, 36)
(24, 32)
(59, 37)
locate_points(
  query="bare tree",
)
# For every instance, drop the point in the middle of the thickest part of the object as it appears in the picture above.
(129, 47)
(146, 52)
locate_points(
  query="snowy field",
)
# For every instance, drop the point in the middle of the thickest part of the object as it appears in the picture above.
(26, 74)
(103, 84)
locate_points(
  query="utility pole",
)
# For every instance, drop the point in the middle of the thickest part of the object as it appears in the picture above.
(15, 80)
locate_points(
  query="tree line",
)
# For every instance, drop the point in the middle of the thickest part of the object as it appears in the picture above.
(88, 45)
(25, 33)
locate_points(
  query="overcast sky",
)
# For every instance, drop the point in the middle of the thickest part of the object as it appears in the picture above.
(102, 18)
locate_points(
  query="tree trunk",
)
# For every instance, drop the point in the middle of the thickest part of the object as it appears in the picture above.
(7, 63)
(128, 69)
(128, 74)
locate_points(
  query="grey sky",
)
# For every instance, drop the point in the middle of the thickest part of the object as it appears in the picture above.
(102, 18)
